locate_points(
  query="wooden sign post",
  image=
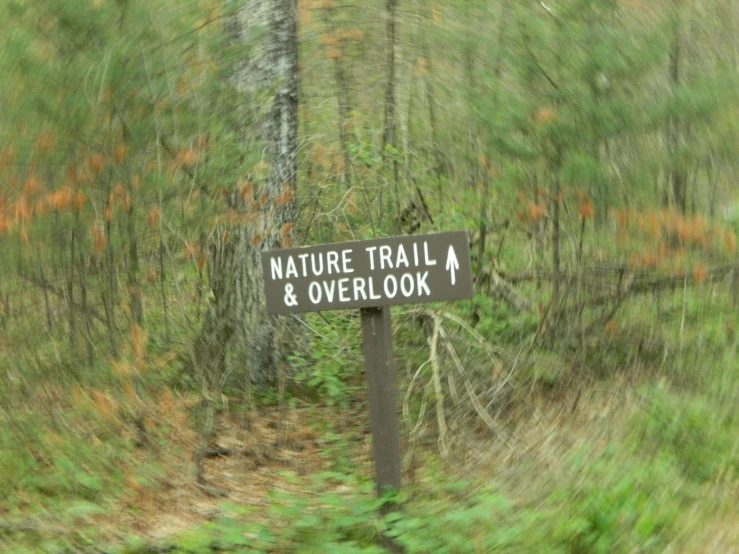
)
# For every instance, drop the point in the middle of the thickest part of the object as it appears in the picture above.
(372, 275)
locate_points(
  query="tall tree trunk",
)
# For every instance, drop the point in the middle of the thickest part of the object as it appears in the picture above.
(86, 320)
(108, 276)
(556, 240)
(267, 83)
(343, 100)
(388, 130)
(431, 104)
(134, 270)
(236, 330)
(677, 179)
(389, 123)
(70, 299)
(488, 168)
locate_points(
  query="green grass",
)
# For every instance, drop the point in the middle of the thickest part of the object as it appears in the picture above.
(656, 473)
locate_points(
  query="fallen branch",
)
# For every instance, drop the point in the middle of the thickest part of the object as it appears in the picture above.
(503, 290)
(481, 411)
(439, 332)
(433, 342)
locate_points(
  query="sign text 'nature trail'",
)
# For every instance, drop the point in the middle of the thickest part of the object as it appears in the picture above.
(370, 273)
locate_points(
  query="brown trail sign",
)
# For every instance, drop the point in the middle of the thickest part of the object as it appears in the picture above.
(372, 275)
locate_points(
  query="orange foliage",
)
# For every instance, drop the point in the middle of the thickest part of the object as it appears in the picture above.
(287, 229)
(730, 241)
(79, 201)
(72, 173)
(328, 40)
(537, 212)
(649, 260)
(96, 163)
(120, 154)
(33, 185)
(22, 211)
(118, 192)
(421, 67)
(285, 198)
(700, 274)
(586, 209)
(545, 115)
(4, 224)
(350, 34)
(45, 141)
(40, 207)
(98, 238)
(247, 192)
(191, 250)
(622, 219)
(139, 340)
(60, 199)
(136, 182)
(533, 212)
(154, 216)
(187, 158)
(105, 406)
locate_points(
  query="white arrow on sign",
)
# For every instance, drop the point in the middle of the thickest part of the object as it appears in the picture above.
(452, 264)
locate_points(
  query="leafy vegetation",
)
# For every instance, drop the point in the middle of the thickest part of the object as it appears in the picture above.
(583, 401)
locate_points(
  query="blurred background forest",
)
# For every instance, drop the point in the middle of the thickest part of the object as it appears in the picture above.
(585, 400)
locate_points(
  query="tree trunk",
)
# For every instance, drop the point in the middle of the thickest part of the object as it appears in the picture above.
(235, 320)
(70, 300)
(388, 130)
(431, 104)
(677, 174)
(389, 125)
(134, 270)
(108, 276)
(343, 100)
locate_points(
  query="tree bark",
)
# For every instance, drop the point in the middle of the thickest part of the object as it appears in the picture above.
(235, 322)
(388, 131)
(431, 104)
(133, 277)
(389, 125)
(677, 174)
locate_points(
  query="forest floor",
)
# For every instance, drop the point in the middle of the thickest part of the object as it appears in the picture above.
(271, 453)
(633, 460)
(279, 449)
